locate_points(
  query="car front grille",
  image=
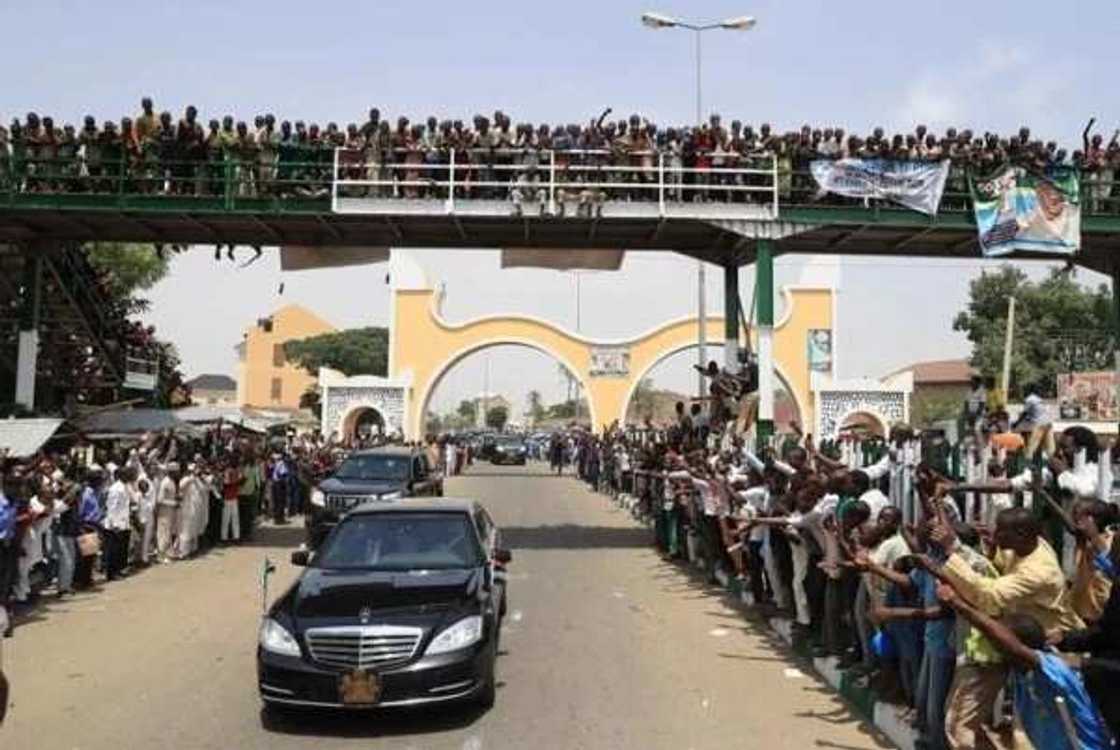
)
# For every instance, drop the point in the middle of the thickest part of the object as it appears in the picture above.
(362, 647)
(343, 503)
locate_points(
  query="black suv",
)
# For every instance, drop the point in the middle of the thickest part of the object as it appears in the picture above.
(401, 605)
(377, 474)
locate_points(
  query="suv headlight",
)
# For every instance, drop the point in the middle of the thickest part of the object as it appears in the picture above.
(395, 495)
(273, 637)
(466, 632)
(318, 498)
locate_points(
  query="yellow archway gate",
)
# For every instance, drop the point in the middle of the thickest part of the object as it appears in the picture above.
(423, 346)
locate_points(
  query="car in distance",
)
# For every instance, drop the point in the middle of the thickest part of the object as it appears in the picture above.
(388, 473)
(401, 605)
(509, 450)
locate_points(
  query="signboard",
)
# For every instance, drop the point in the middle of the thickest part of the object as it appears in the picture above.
(918, 185)
(820, 349)
(140, 374)
(1090, 396)
(610, 361)
(1022, 211)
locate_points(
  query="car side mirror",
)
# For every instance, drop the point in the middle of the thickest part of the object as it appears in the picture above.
(503, 556)
(300, 557)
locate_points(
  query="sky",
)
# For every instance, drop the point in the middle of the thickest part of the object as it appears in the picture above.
(987, 66)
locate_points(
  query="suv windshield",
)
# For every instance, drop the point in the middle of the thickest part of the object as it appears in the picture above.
(402, 541)
(374, 466)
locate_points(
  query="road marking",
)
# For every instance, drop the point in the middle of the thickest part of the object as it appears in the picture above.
(793, 674)
(719, 632)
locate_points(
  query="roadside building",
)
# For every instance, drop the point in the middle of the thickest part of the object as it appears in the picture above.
(213, 390)
(265, 378)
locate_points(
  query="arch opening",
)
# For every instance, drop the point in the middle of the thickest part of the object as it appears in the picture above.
(363, 423)
(538, 388)
(863, 424)
(672, 378)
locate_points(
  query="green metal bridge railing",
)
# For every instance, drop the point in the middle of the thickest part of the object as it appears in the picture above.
(302, 182)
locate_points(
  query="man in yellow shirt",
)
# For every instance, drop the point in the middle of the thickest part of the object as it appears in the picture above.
(1031, 581)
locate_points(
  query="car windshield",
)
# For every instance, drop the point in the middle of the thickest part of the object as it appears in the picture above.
(374, 466)
(402, 541)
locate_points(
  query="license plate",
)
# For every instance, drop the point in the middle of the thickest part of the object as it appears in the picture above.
(359, 688)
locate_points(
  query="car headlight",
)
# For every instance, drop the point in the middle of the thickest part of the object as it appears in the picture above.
(318, 498)
(466, 632)
(274, 638)
(397, 495)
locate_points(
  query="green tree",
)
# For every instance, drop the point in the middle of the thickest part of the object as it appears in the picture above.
(928, 409)
(1060, 326)
(357, 351)
(496, 418)
(129, 267)
(433, 424)
(468, 410)
(644, 400)
(536, 406)
(563, 410)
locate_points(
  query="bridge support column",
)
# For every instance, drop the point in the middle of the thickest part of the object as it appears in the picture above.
(27, 358)
(731, 317)
(1116, 320)
(764, 275)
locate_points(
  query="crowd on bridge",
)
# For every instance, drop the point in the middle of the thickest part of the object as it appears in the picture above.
(495, 158)
(70, 520)
(999, 586)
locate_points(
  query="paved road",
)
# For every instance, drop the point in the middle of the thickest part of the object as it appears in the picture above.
(607, 647)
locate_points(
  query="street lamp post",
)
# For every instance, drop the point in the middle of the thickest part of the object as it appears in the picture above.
(740, 23)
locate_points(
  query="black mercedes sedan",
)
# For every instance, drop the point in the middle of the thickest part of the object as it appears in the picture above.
(401, 605)
(509, 450)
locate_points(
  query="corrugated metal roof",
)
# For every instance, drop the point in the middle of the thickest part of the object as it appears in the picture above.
(130, 421)
(213, 382)
(939, 371)
(22, 437)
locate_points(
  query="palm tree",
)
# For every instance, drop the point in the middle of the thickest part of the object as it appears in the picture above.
(536, 406)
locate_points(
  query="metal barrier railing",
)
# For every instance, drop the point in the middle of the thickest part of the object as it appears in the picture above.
(553, 181)
(549, 180)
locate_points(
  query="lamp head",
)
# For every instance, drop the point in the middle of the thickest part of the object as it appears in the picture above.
(742, 23)
(658, 20)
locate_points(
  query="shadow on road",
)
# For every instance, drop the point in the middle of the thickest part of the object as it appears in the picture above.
(289, 536)
(507, 473)
(571, 536)
(354, 724)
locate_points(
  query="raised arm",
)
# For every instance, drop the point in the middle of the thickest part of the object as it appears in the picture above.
(863, 562)
(599, 122)
(1085, 134)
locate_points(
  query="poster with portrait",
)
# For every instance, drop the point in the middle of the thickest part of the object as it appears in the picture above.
(1021, 211)
(820, 349)
(1089, 395)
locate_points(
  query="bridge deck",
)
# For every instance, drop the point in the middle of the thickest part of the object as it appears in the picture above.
(719, 232)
